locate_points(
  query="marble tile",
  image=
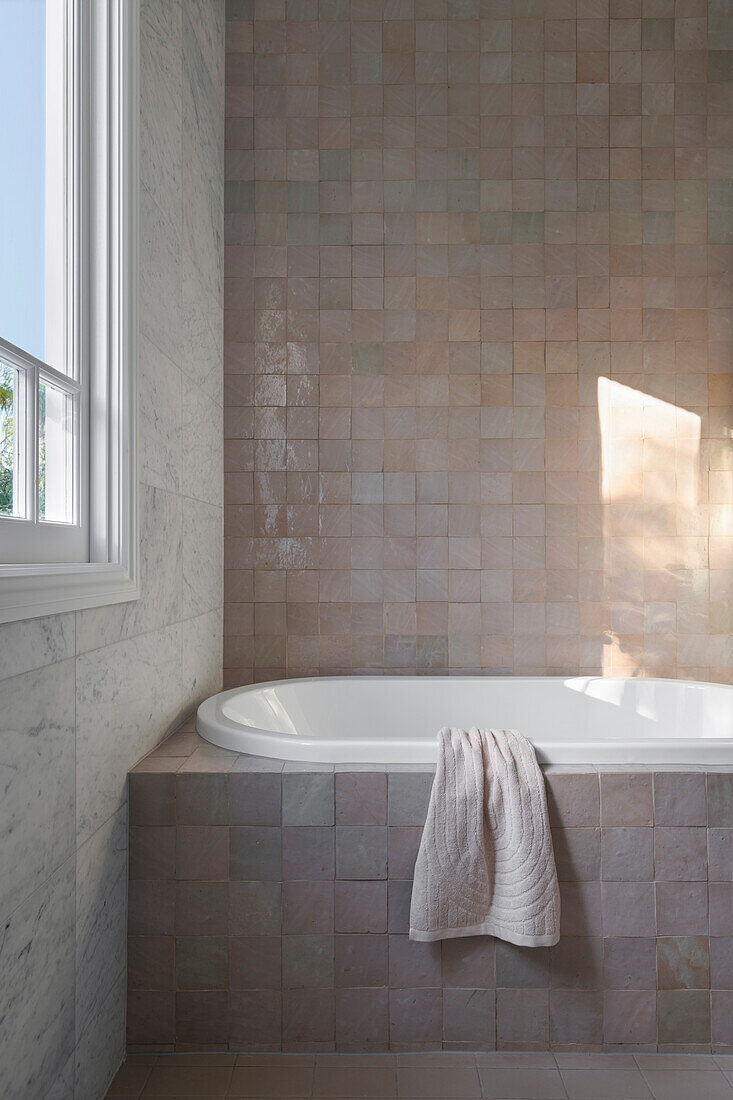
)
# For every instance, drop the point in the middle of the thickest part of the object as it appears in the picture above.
(202, 236)
(208, 20)
(33, 643)
(36, 779)
(201, 659)
(138, 666)
(159, 431)
(202, 352)
(161, 101)
(203, 191)
(63, 1087)
(201, 541)
(101, 904)
(132, 676)
(160, 579)
(102, 1046)
(37, 988)
(160, 276)
(203, 116)
(201, 443)
(127, 696)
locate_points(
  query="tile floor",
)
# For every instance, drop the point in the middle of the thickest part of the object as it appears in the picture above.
(439, 1076)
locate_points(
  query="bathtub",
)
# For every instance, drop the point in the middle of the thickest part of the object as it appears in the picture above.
(394, 720)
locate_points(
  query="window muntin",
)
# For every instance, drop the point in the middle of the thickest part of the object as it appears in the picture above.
(56, 465)
(12, 441)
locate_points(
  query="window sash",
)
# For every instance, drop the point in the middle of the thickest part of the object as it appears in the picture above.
(29, 537)
(104, 330)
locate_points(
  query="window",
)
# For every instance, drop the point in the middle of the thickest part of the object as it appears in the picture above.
(67, 304)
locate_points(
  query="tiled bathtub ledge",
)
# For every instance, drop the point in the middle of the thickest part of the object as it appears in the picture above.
(269, 907)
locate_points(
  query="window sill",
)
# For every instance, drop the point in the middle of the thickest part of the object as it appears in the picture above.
(28, 591)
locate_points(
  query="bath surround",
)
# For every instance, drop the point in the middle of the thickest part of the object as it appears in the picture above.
(269, 911)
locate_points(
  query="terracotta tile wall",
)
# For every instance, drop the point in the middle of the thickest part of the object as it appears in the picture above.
(479, 337)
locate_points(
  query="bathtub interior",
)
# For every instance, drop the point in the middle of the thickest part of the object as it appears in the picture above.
(545, 709)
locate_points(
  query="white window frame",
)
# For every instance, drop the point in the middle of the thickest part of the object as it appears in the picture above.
(105, 291)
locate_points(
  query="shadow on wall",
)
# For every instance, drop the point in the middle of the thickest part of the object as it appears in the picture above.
(659, 559)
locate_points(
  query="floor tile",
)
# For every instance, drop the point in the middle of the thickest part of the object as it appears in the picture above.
(595, 1061)
(696, 1063)
(129, 1081)
(522, 1084)
(278, 1080)
(516, 1059)
(350, 1061)
(428, 1075)
(437, 1081)
(185, 1081)
(334, 1082)
(437, 1058)
(687, 1084)
(610, 1084)
(275, 1058)
(198, 1058)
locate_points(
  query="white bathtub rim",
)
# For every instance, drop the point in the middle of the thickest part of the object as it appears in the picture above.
(224, 732)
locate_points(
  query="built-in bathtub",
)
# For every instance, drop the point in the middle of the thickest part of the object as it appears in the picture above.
(387, 720)
(269, 898)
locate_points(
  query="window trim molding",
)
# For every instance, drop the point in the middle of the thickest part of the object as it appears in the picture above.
(109, 331)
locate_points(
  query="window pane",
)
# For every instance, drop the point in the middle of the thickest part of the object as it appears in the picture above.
(55, 454)
(32, 184)
(12, 501)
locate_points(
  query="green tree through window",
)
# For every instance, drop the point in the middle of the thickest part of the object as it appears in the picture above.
(6, 440)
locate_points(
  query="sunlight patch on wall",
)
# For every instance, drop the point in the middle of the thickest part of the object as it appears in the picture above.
(655, 522)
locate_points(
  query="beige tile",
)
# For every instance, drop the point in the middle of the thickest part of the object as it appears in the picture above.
(356, 1061)
(275, 1058)
(569, 1060)
(519, 1059)
(436, 1081)
(527, 1084)
(687, 1083)
(611, 1084)
(129, 1080)
(277, 1080)
(182, 1081)
(694, 1063)
(357, 1082)
(220, 1059)
(437, 1058)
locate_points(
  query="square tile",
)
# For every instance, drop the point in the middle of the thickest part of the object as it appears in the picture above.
(308, 798)
(255, 853)
(361, 852)
(254, 798)
(408, 797)
(308, 853)
(202, 799)
(279, 1080)
(361, 798)
(508, 1083)
(361, 960)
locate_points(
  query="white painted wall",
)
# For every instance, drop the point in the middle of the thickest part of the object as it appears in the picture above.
(83, 696)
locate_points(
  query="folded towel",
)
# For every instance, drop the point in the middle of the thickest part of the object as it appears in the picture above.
(486, 865)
